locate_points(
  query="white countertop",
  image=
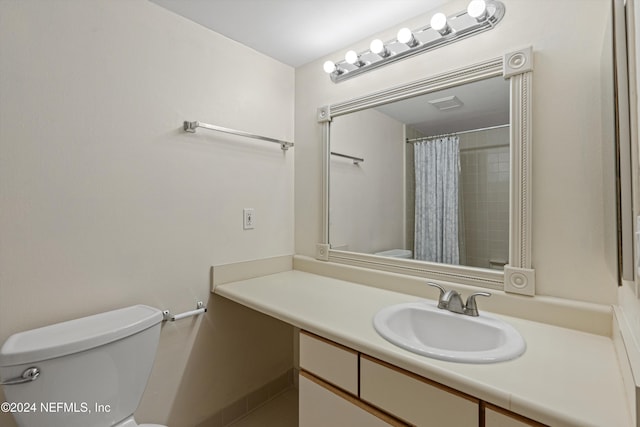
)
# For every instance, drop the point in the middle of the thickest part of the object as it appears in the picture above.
(565, 377)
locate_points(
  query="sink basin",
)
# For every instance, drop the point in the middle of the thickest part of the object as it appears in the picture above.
(423, 328)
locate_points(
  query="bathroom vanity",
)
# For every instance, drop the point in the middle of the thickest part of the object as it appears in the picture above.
(349, 385)
(566, 377)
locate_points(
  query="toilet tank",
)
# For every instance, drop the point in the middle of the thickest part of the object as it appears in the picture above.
(396, 253)
(93, 370)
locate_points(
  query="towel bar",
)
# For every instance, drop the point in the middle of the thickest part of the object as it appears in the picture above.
(200, 308)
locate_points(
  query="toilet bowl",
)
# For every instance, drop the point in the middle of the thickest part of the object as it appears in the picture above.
(90, 371)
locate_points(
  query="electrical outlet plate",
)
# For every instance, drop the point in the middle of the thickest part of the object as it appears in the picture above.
(249, 219)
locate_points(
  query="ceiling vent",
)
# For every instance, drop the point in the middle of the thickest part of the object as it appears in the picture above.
(446, 103)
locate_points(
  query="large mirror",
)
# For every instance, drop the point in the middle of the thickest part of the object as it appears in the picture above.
(433, 184)
(429, 178)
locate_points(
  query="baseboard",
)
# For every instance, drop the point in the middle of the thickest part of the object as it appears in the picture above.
(629, 360)
(251, 401)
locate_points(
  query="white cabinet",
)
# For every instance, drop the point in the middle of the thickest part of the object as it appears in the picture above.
(415, 399)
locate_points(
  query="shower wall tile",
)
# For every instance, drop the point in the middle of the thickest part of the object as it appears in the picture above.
(484, 163)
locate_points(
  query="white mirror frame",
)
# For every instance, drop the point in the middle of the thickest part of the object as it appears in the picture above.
(518, 276)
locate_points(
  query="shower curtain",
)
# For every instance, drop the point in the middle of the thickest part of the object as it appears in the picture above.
(437, 170)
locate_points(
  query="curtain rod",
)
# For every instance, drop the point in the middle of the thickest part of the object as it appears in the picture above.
(422, 138)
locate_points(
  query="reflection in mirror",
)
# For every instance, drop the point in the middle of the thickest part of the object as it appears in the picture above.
(434, 183)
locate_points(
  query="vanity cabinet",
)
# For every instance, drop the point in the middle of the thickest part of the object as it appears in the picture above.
(341, 387)
(329, 387)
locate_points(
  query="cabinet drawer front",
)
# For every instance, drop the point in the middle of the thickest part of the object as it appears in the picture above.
(322, 405)
(498, 417)
(332, 362)
(415, 399)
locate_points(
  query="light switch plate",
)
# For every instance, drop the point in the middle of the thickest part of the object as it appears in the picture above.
(248, 218)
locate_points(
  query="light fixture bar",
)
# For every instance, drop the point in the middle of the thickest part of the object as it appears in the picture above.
(455, 27)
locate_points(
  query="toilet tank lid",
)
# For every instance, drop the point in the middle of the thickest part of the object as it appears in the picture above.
(77, 335)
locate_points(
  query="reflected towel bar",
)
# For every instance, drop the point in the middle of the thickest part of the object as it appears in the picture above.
(356, 160)
(191, 127)
(166, 314)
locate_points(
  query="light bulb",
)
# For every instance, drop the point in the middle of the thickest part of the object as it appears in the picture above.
(477, 9)
(406, 36)
(378, 47)
(351, 57)
(439, 22)
(329, 67)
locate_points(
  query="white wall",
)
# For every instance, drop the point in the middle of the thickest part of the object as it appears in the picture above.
(573, 215)
(367, 200)
(105, 202)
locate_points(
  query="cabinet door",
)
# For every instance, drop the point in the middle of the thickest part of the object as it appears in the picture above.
(321, 405)
(415, 399)
(335, 364)
(498, 417)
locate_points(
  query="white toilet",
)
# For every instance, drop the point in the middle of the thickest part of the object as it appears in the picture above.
(89, 372)
(396, 253)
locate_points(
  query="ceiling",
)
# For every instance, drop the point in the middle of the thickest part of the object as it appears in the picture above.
(296, 32)
(485, 103)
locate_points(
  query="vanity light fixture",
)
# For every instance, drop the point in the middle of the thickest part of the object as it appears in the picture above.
(480, 15)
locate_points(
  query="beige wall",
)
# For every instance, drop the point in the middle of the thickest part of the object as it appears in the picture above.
(105, 202)
(573, 186)
(367, 200)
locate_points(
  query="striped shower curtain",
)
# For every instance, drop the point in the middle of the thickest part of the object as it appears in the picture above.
(437, 170)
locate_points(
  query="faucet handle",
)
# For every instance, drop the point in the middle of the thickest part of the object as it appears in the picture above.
(471, 308)
(443, 291)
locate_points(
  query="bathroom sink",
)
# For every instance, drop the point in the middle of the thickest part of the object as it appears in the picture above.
(423, 328)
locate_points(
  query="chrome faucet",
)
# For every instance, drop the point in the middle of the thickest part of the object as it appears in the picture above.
(451, 300)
